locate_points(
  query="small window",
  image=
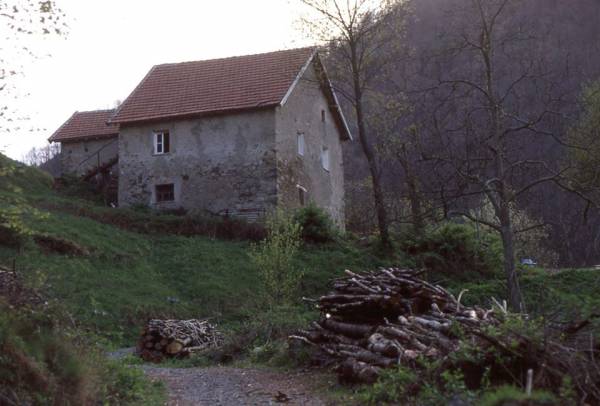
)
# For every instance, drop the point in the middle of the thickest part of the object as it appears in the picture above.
(301, 144)
(162, 142)
(301, 195)
(165, 193)
(323, 115)
(325, 158)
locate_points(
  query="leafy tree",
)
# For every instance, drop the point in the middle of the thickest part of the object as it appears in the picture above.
(275, 258)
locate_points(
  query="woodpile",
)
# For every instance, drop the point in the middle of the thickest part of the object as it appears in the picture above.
(388, 317)
(176, 338)
(393, 317)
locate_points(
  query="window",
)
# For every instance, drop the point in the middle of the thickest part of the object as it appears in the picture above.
(301, 144)
(325, 158)
(301, 195)
(165, 193)
(162, 142)
(323, 115)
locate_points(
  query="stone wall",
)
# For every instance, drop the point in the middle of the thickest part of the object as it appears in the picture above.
(220, 164)
(78, 157)
(307, 111)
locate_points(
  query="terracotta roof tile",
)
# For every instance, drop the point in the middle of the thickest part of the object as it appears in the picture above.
(86, 124)
(212, 86)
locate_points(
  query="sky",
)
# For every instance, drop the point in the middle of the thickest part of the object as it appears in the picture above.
(111, 44)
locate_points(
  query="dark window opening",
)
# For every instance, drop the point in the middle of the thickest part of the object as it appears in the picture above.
(323, 115)
(165, 193)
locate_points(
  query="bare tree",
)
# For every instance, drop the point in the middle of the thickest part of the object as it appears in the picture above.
(358, 32)
(400, 144)
(38, 156)
(492, 110)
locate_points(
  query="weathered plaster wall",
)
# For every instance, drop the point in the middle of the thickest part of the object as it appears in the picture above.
(219, 164)
(302, 114)
(81, 156)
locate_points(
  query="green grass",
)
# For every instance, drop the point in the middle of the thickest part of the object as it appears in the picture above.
(129, 277)
(566, 295)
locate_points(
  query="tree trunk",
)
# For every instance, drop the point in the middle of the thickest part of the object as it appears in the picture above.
(413, 192)
(415, 205)
(515, 298)
(369, 152)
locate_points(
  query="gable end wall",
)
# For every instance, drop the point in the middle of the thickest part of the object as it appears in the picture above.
(302, 114)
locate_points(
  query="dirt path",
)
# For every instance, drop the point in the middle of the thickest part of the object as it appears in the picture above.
(234, 386)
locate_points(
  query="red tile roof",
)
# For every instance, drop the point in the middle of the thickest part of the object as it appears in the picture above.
(213, 86)
(86, 125)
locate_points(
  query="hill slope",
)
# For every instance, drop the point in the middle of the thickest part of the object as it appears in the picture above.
(115, 279)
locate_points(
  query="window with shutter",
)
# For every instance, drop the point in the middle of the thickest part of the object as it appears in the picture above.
(162, 142)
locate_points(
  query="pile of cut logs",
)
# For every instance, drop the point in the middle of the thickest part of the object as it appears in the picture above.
(379, 319)
(176, 338)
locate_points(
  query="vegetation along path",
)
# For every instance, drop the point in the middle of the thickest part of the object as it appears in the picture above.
(233, 386)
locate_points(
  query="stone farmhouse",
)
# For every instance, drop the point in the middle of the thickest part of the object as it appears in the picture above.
(235, 136)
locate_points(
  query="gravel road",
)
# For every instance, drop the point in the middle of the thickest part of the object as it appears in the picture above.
(233, 386)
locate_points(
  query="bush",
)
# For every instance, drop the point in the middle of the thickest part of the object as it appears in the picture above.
(454, 249)
(316, 224)
(274, 258)
(263, 336)
(394, 385)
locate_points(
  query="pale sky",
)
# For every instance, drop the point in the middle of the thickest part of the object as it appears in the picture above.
(113, 43)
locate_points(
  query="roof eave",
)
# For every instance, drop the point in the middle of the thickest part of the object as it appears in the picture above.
(184, 116)
(84, 138)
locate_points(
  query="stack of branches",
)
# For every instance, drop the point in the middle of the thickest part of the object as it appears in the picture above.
(392, 317)
(176, 338)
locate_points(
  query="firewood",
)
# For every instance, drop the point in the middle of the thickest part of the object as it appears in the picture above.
(379, 319)
(176, 338)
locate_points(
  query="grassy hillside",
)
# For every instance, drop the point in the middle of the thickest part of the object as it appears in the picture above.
(124, 277)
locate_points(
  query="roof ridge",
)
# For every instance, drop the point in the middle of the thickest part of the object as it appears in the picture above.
(95, 111)
(139, 85)
(313, 47)
(213, 85)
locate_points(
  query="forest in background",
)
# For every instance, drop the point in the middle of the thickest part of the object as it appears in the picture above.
(436, 140)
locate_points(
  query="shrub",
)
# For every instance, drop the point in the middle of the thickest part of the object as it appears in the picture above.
(454, 249)
(261, 335)
(274, 258)
(316, 224)
(394, 385)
